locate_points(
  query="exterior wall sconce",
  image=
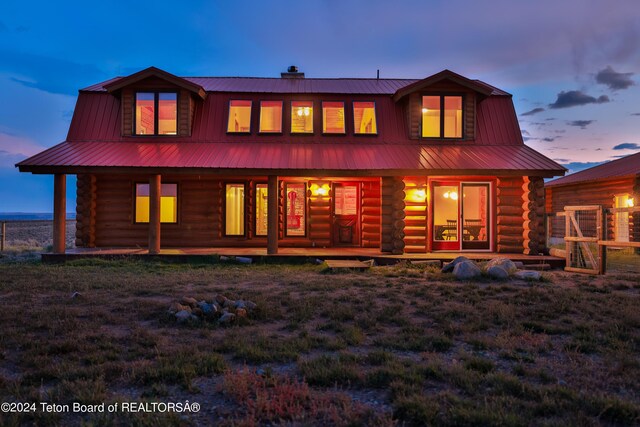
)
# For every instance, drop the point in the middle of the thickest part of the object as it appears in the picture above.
(417, 195)
(321, 190)
(630, 202)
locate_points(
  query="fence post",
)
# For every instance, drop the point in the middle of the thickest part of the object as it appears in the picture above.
(4, 232)
(602, 235)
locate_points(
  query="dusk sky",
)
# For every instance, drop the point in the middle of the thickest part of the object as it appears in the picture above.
(572, 66)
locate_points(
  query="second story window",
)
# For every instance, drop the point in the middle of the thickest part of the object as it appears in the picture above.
(333, 117)
(271, 117)
(239, 116)
(301, 116)
(441, 116)
(156, 113)
(364, 118)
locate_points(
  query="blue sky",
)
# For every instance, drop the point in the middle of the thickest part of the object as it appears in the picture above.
(571, 65)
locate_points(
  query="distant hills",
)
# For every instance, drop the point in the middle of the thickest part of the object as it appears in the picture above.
(30, 216)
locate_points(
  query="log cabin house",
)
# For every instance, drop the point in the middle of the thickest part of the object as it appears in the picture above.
(399, 165)
(615, 184)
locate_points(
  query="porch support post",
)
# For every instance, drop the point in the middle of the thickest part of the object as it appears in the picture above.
(154, 214)
(272, 215)
(59, 212)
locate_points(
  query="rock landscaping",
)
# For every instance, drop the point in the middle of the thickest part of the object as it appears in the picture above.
(220, 309)
(498, 269)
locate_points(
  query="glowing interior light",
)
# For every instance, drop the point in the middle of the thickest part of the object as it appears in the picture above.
(630, 202)
(425, 110)
(300, 111)
(454, 195)
(306, 111)
(420, 193)
(446, 195)
(322, 191)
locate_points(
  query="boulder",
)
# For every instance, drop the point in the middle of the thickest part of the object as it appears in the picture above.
(241, 312)
(207, 309)
(497, 272)
(466, 270)
(229, 303)
(220, 299)
(505, 263)
(175, 307)
(240, 304)
(183, 316)
(191, 302)
(448, 268)
(227, 318)
(527, 275)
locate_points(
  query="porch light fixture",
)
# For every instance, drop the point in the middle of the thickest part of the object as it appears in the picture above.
(319, 190)
(418, 195)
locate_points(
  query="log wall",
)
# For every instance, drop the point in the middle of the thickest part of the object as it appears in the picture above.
(510, 214)
(392, 220)
(533, 215)
(371, 209)
(415, 210)
(85, 210)
(319, 217)
(634, 218)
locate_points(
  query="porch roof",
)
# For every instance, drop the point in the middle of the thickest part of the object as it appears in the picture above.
(299, 159)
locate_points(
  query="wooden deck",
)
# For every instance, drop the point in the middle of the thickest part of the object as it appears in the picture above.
(287, 255)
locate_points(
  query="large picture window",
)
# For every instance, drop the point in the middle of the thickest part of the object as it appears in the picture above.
(168, 203)
(301, 117)
(442, 116)
(271, 117)
(234, 210)
(239, 116)
(333, 117)
(296, 213)
(364, 118)
(156, 113)
(262, 213)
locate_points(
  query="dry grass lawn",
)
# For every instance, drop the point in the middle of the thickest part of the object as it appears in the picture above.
(393, 345)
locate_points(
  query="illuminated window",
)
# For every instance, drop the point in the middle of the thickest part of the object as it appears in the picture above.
(234, 210)
(364, 118)
(333, 117)
(156, 113)
(168, 203)
(270, 116)
(262, 203)
(239, 117)
(301, 117)
(438, 125)
(296, 213)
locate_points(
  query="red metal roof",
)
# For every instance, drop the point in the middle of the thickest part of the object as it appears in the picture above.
(303, 86)
(97, 118)
(629, 165)
(299, 158)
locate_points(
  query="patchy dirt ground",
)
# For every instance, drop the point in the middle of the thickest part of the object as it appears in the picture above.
(393, 345)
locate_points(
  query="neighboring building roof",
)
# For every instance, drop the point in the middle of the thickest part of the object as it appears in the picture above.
(625, 166)
(362, 159)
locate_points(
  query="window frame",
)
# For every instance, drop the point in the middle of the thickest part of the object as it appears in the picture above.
(135, 205)
(244, 213)
(344, 109)
(255, 209)
(250, 117)
(313, 117)
(281, 131)
(442, 95)
(156, 113)
(286, 205)
(375, 116)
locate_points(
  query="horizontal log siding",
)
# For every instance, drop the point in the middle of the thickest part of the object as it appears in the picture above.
(592, 193)
(370, 214)
(415, 229)
(392, 231)
(85, 210)
(509, 215)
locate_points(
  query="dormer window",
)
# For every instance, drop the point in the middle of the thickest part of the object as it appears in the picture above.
(441, 116)
(333, 117)
(156, 113)
(271, 117)
(239, 116)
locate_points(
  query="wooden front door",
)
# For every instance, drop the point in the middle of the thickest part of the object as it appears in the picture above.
(346, 214)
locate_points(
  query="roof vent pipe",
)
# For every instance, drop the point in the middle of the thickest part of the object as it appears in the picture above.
(292, 73)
